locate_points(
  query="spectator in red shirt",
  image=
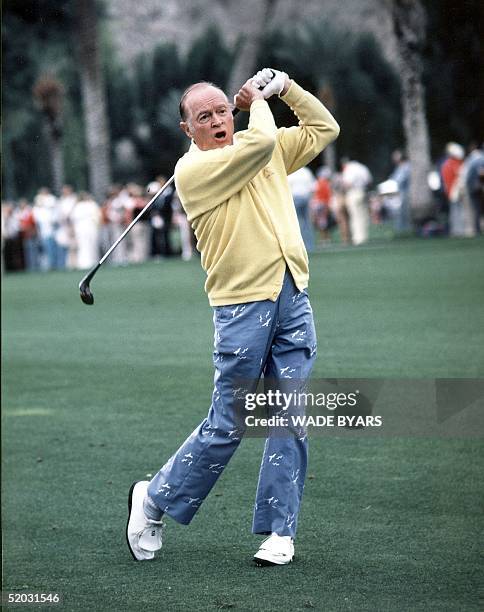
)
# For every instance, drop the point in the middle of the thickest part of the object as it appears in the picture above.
(450, 171)
(321, 215)
(28, 233)
(451, 166)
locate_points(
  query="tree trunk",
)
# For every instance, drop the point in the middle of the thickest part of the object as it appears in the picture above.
(408, 17)
(57, 166)
(327, 97)
(53, 135)
(8, 157)
(93, 99)
(246, 64)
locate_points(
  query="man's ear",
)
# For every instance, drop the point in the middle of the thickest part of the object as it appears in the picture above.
(185, 128)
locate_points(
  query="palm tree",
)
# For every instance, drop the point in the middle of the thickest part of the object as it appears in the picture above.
(93, 97)
(49, 93)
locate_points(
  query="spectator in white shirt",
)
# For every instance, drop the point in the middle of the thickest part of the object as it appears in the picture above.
(302, 184)
(86, 219)
(356, 178)
(45, 213)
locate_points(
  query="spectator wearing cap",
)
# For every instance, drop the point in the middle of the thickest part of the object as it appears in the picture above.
(450, 171)
(461, 195)
(450, 167)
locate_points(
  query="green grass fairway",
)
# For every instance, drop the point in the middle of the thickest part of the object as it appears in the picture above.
(96, 397)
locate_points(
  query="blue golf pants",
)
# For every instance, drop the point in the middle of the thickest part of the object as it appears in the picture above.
(276, 339)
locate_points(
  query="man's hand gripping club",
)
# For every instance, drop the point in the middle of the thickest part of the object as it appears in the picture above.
(262, 86)
(271, 82)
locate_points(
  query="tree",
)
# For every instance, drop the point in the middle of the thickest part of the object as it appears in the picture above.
(454, 65)
(33, 44)
(327, 97)
(209, 59)
(49, 93)
(357, 84)
(93, 97)
(247, 54)
(409, 26)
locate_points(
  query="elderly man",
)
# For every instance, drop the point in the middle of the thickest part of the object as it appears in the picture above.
(235, 192)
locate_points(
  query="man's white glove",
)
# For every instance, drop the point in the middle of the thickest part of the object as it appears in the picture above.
(269, 81)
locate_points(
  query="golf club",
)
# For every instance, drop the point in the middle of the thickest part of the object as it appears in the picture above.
(86, 294)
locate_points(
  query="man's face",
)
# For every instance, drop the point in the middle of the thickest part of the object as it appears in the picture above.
(209, 118)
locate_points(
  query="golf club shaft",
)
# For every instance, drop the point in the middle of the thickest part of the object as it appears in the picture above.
(136, 219)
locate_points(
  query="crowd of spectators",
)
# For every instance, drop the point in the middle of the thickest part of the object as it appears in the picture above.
(349, 200)
(73, 231)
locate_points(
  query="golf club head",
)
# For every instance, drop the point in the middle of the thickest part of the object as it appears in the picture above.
(85, 291)
(86, 295)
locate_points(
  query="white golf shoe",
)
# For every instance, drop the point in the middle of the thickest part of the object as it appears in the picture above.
(143, 535)
(275, 550)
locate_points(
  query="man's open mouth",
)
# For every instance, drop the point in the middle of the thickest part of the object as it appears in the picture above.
(220, 135)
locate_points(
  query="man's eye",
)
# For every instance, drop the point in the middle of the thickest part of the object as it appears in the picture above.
(222, 111)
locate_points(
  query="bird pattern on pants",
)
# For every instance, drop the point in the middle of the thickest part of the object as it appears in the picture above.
(274, 339)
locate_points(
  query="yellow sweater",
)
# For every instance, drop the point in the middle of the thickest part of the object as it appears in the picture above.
(238, 201)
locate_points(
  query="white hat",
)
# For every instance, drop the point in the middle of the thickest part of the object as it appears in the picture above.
(455, 150)
(153, 187)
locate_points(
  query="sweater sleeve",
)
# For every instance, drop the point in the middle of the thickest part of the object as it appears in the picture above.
(317, 128)
(205, 179)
